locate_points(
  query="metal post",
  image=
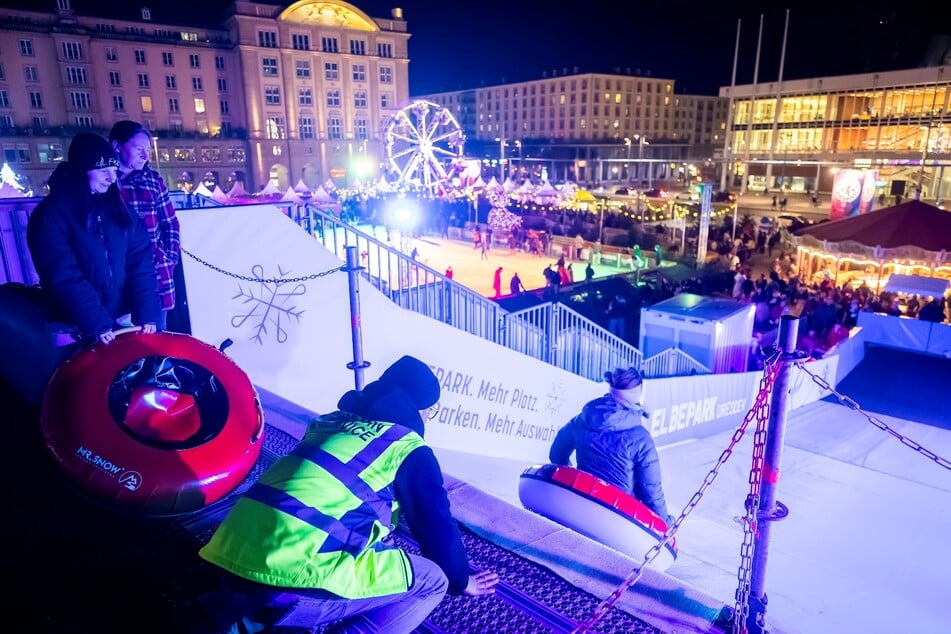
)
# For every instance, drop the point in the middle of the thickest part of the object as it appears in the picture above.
(353, 277)
(769, 509)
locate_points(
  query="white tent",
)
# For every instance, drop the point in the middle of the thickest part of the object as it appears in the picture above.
(325, 201)
(546, 194)
(382, 185)
(219, 195)
(301, 187)
(270, 190)
(525, 193)
(493, 184)
(321, 196)
(9, 191)
(238, 190)
(291, 196)
(201, 190)
(509, 185)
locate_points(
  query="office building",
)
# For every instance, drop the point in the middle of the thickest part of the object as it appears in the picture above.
(591, 127)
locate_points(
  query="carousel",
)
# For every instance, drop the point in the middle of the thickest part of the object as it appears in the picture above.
(910, 239)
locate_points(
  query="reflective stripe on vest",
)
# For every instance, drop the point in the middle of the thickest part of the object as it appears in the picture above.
(341, 533)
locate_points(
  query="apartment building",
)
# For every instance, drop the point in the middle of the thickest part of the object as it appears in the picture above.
(260, 93)
(797, 134)
(591, 127)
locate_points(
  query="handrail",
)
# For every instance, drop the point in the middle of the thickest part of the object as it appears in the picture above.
(550, 332)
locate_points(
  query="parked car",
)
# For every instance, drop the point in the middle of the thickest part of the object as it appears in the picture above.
(724, 197)
(792, 221)
(655, 193)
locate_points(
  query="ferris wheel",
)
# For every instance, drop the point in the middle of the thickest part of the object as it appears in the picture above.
(421, 139)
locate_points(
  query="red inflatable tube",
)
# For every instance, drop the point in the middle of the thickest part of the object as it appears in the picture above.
(154, 424)
(596, 509)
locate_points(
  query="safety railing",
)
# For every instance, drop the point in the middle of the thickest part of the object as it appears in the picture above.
(673, 362)
(550, 332)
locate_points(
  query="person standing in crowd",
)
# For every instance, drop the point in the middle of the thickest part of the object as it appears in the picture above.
(92, 255)
(315, 524)
(144, 193)
(610, 441)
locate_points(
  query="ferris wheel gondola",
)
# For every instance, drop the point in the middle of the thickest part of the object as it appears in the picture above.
(422, 140)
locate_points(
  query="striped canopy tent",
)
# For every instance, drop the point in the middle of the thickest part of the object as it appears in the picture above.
(911, 238)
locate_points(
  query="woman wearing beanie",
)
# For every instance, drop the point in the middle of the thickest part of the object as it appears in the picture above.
(316, 523)
(610, 441)
(92, 256)
(144, 193)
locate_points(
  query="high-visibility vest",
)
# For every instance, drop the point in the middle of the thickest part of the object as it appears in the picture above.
(317, 517)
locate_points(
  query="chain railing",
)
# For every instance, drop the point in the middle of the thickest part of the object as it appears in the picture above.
(760, 412)
(851, 404)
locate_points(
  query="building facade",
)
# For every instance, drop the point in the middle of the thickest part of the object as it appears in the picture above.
(796, 135)
(265, 93)
(591, 127)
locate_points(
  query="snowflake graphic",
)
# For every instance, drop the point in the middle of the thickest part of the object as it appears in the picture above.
(555, 399)
(267, 304)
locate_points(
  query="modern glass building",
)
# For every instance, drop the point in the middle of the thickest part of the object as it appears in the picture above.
(797, 134)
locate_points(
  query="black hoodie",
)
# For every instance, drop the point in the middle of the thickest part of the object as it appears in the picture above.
(419, 485)
(93, 257)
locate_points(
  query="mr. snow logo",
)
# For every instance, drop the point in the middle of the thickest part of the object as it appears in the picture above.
(131, 480)
(268, 304)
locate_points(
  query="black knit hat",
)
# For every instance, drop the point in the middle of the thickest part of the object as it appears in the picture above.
(88, 151)
(415, 379)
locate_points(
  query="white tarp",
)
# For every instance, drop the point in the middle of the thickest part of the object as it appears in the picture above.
(917, 285)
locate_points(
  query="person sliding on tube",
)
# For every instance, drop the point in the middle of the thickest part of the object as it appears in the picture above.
(610, 441)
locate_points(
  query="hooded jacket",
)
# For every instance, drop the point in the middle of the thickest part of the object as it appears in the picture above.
(256, 542)
(610, 442)
(93, 257)
(419, 487)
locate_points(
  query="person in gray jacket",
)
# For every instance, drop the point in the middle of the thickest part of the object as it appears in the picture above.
(610, 441)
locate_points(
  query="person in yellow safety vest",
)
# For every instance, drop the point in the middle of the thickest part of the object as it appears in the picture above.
(312, 529)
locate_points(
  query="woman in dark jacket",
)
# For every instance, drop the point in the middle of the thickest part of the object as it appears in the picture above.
(610, 441)
(93, 257)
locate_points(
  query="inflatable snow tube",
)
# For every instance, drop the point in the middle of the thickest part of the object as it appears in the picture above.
(153, 424)
(596, 509)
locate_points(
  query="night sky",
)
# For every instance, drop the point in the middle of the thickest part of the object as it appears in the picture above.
(458, 45)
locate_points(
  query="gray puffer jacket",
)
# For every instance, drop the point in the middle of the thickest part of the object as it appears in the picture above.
(610, 442)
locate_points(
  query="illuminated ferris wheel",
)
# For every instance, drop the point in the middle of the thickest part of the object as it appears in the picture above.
(422, 139)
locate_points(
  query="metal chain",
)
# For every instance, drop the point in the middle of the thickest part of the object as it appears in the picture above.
(270, 280)
(851, 404)
(760, 410)
(761, 402)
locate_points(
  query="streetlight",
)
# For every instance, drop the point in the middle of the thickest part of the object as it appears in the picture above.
(627, 142)
(502, 145)
(518, 146)
(641, 142)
